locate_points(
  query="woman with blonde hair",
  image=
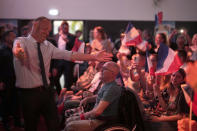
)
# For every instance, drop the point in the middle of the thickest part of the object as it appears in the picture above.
(100, 41)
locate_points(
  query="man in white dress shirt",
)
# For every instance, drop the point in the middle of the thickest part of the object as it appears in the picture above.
(32, 57)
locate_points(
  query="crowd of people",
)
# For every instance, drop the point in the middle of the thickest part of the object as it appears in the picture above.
(94, 75)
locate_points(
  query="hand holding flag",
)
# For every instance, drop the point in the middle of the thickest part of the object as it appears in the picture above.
(132, 38)
(168, 61)
(191, 75)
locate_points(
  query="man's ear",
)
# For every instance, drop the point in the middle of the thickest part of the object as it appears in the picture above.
(35, 26)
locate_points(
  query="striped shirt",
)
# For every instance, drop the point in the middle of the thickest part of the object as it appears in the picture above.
(28, 72)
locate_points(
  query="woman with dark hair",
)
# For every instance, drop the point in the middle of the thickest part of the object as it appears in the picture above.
(160, 38)
(171, 99)
(171, 104)
(100, 41)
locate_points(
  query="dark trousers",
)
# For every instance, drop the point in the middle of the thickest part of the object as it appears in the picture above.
(68, 74)
(55, 81)
(10, 103)
(67, 68)
(37, 102)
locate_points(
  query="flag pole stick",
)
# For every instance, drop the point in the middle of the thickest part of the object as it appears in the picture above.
(190, 117)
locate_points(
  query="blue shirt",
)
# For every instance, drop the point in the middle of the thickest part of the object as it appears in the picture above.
(110, 92)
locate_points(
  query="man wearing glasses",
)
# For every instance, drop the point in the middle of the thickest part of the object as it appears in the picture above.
(106, 106)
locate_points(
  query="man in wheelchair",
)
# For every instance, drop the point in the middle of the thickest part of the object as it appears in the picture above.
(106, 106)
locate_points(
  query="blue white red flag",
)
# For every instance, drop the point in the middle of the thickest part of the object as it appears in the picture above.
(149, 65)
(190, 97)
(133, 38)
(168, 61)
(158, 18)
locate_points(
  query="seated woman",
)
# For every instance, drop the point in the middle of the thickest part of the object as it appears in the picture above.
(171, 104)
(150, 78)
(82, 84)
(68, 99)
(171, 99)
(133, 72)
(133, 75)
(84, 81)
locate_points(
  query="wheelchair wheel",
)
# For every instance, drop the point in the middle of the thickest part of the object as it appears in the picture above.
(113, 127)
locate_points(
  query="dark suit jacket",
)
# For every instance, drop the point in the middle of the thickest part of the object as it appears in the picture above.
(71, 42)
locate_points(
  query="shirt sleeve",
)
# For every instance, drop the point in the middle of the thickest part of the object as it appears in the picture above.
(20, 41)
(111, 94)
(60, 54)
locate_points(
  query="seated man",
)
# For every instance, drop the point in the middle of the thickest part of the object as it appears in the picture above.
(106, 102)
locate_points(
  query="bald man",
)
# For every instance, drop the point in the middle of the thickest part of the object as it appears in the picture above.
(106, 107)
(32, 57)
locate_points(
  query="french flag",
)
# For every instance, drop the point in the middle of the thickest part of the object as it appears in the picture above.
(158, 18)
(168, 61)
(149, 65)
(190, 97)
(133, 38)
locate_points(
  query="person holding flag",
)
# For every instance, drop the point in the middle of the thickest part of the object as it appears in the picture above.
(192, 81)
(190, 93)
(171, 104)
(133, 38)
(168, 60)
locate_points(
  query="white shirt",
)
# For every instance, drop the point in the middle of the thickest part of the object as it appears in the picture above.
(28, 72)
(81, 50)
(62, 42)
(95, 82)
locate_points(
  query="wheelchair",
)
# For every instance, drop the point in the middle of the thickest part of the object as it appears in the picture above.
(129, 115)
(114, 127)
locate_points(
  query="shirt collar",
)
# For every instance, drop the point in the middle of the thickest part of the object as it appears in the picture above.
(32, 40)
(109, 83)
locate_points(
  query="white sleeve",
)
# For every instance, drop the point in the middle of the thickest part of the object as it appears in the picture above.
(19, 40)
(81, 50)
(61, 54)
